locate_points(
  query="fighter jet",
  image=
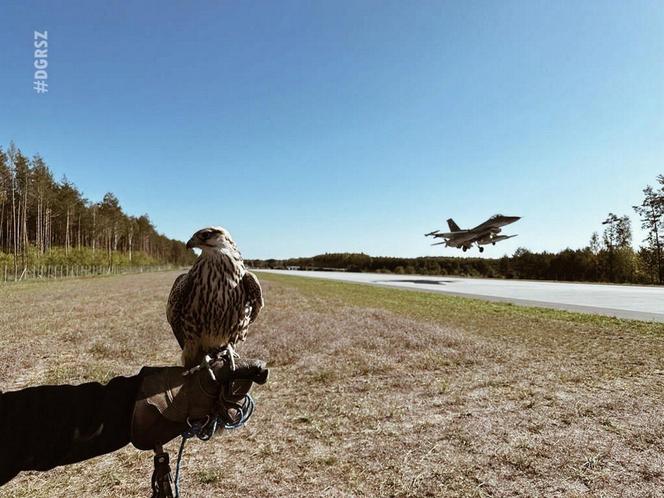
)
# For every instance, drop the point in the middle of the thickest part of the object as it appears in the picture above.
(483, 234)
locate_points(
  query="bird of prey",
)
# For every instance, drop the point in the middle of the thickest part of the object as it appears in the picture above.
(211, 307)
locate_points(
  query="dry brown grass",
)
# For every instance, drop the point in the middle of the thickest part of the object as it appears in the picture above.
(373, 392)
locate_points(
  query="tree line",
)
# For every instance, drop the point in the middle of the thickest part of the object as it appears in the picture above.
(608, 257)
(44, 221)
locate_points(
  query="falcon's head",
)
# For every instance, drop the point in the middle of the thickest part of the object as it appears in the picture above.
(212, 239)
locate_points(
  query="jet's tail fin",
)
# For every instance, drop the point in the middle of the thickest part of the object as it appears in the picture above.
(453, 226)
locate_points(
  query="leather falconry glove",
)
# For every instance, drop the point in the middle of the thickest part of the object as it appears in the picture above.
(170, 399)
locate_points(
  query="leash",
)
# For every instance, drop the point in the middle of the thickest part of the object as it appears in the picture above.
(205, 429)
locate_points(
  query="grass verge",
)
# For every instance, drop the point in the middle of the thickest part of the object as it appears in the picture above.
(373, 392)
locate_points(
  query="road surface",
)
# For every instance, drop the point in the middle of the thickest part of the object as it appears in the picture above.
(623, 301)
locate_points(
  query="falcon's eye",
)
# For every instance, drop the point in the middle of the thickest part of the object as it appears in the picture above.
(205, 235)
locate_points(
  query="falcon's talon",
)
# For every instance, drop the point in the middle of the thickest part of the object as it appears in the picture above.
(229, 352)
(206, 363)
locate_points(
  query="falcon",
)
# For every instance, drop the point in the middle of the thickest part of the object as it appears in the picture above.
(210, 308)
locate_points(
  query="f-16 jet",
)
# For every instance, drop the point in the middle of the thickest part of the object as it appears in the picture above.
(483, 234)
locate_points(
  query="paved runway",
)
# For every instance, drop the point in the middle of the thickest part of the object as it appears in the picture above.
(624, 301)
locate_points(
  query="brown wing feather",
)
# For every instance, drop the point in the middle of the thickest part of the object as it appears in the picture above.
(253, 293)
(176, 300)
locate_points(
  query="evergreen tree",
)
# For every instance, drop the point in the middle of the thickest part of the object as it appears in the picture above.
(617, 238)
(51, 222)
(651, 211)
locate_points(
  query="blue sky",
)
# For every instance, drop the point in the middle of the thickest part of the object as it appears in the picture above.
(306, 127)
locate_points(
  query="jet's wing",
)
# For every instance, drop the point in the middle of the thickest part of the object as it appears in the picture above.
(504, 237)
(485, 241)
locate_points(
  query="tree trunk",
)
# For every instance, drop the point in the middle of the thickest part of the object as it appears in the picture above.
(94, 229)
(14, 227)
(67, 233)
(2, 220)
(25, 242)
(658, 244)
(78, 236)
(130, 237)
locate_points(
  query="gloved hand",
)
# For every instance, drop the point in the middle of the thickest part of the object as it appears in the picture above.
(42, 427)
(167, 399)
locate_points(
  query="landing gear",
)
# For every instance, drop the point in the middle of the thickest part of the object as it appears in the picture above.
(481, 249)
(464, 248)
(493, 243)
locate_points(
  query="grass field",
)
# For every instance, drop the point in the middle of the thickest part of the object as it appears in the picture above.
(373, 392)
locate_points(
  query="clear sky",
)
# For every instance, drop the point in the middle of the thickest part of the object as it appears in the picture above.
(305, 127)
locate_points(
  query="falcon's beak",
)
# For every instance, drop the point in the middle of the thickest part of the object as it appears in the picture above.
(193, 242)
